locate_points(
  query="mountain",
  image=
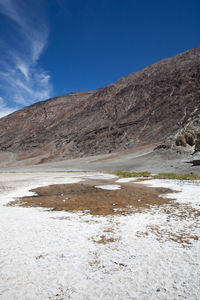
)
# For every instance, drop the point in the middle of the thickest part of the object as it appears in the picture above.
(153, 105)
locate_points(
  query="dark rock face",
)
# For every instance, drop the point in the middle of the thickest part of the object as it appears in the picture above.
(186, 139)
(196, 162)
(142, 108)
(181, 141)
(197, 144)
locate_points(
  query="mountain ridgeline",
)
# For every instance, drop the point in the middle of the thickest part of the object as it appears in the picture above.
(145, 107)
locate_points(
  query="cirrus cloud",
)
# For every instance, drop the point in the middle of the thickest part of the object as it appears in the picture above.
(22, 79)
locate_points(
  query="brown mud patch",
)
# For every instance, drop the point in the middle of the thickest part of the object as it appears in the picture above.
(180, 237)
(105, 240)
(175, 212)
(86, 197)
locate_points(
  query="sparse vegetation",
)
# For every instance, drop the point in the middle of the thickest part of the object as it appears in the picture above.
(147, 174)
(127, 174)
(177, 176)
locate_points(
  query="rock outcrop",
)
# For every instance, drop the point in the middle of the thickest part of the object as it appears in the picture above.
(187, 139)
(145, 107)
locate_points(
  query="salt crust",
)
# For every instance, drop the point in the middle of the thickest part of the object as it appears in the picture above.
(110, 187)
(129, 179)
(124, 180)
(54, 255)
(189, 191)
(99, 176)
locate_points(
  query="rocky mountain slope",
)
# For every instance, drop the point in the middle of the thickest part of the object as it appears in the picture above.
(145, 107)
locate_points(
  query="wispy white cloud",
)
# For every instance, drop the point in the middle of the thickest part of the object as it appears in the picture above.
(24, 70)
(22, 80)
(4, 109)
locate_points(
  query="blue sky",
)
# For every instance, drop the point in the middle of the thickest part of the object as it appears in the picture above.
(53, 47)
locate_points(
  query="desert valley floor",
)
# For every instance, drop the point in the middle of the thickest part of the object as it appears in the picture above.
(147, 249)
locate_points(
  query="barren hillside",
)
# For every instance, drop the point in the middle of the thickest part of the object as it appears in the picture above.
(142, 108)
